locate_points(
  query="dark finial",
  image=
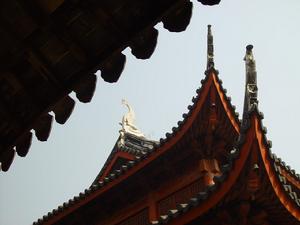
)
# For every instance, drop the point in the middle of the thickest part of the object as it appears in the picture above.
(210, 48)
(251, 79)
(209, 29)
(249, 48)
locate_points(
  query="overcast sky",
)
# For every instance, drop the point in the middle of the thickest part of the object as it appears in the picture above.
(159, 89)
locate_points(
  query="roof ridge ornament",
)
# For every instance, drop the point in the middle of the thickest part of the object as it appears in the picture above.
(210, 48)
(251, 80)
(128, 124)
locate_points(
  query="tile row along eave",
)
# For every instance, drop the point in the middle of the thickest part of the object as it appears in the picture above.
(234, 154)
(144, 155)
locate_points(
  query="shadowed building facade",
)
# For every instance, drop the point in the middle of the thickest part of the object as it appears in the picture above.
(213, 169)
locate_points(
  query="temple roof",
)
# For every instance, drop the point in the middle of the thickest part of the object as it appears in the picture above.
(285, 183)
(130, 144)
(146, 151)
(140, 160)
(213, 195)
(246, 149)
(48, 50)
(121, 154)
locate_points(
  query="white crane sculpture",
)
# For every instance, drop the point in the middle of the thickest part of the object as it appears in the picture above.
(128, 125)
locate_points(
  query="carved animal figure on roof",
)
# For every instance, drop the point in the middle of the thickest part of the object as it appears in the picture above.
(128, 123)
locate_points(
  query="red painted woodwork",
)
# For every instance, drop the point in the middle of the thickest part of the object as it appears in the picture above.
(225, 186)
(180, 196)
(209, 168)
(118, 155)
(141, 218)
(272, 174)
(225, 104)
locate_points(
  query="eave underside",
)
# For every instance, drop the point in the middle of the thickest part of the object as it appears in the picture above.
(49, 49)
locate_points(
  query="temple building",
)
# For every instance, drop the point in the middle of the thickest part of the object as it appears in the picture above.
(213, 169)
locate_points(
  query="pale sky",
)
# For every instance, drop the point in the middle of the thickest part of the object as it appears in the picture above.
(159, 89)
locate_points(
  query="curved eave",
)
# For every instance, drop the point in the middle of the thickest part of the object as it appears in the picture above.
(166, 144)
(210, 80)
(214, 194)
(289, 173)
(228, 107)
(163, 146)
(251, 132)
(294, 180)
(50, 24)
(289, 201)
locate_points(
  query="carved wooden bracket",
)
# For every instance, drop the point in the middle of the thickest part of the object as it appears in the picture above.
(209, 168)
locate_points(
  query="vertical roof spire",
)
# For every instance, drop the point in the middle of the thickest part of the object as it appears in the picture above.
(251, 80)
(210, 48)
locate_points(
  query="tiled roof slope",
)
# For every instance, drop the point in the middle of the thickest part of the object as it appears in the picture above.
(51, 48)
(204, 196)
(251, 124)
(275, 171)
(143, 155)
(196, 200)
(281, 164)
(135, 146)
